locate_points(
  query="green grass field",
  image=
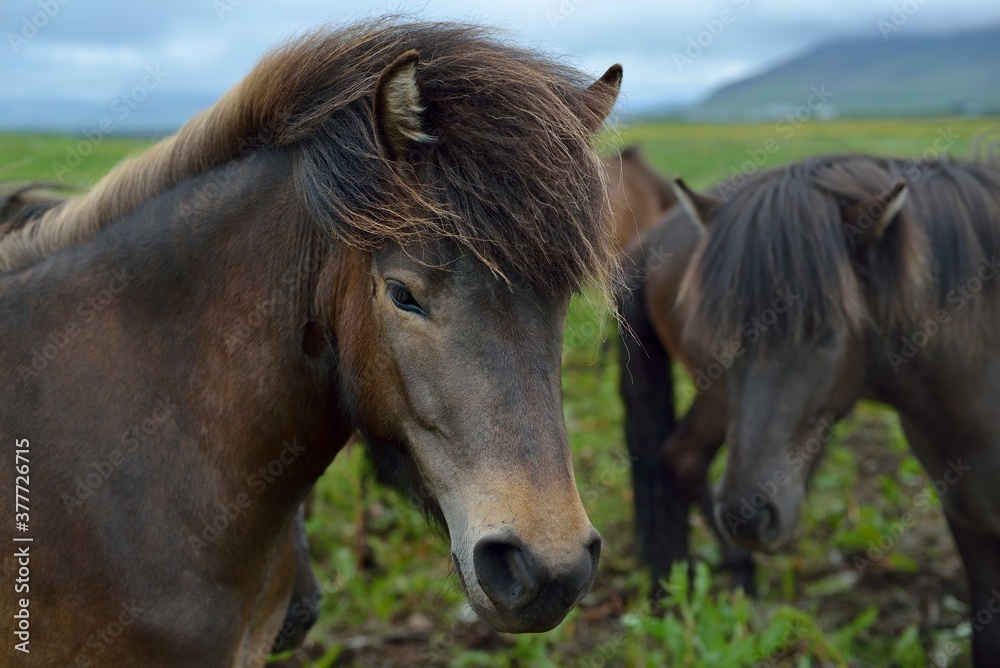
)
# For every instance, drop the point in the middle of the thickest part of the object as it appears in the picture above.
(391, 597)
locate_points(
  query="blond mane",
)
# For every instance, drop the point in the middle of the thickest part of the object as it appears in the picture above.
(207, 140)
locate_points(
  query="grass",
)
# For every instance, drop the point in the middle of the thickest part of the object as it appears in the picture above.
(705, 153)
(74, 161)
(400, 604)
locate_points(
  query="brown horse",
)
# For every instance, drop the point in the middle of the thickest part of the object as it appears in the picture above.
(638, 195)
(18, 205)
(670, 457)
(379, 229)
(845, 276)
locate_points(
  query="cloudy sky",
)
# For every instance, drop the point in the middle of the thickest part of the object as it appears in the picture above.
(67, 62)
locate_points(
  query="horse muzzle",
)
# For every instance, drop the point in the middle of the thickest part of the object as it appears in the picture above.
(755, 521)
(514, 590)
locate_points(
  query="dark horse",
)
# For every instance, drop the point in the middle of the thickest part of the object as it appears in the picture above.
(355, 237)
(846, 276)
(670, 456)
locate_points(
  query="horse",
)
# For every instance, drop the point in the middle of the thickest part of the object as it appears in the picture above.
(378, 230)
(848, 276)
(638, 195)
(670, 456)
(18, 204)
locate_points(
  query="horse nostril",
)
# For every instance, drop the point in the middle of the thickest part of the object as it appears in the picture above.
(506, 573)
(755, 528)
(594, 549)
(768, 527)
(526, 592)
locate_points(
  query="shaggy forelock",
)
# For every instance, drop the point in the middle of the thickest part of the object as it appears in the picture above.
(783, 231)
(509, 174)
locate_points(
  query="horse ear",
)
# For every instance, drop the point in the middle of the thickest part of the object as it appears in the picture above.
(399, 107)
(631, 152)
(601, 96)
(870, 218)
(699, 207)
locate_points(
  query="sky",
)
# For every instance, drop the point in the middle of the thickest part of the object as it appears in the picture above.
(70, 64)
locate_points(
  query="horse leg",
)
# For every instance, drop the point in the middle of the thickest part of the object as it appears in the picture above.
(981, 555)
(647, 390)
(688, 453)
(303, 608)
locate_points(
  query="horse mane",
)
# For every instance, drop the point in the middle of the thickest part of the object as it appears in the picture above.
(510, 174)
(784, 230)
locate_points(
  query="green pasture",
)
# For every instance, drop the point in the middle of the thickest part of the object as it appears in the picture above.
(859, 589)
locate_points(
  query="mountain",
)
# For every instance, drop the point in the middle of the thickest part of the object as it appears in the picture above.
(898, 75)
(162, 113)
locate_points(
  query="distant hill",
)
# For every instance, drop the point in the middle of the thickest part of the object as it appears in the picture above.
(162, 113)
(952, 74)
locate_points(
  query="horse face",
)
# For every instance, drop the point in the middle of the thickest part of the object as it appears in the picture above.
(782, 409)
(468, 387)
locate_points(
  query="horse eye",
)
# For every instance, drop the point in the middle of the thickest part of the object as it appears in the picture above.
(402, 298)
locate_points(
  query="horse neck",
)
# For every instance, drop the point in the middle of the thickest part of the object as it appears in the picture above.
(225, 269)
